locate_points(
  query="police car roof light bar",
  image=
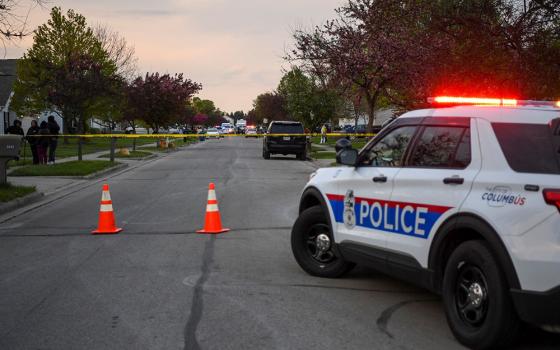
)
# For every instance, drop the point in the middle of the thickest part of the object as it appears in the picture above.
(483, 101)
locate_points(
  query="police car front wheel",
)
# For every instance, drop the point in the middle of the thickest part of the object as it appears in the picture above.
(313, 246)
(476, 298)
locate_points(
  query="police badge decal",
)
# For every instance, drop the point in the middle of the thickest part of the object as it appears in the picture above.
(349, 213)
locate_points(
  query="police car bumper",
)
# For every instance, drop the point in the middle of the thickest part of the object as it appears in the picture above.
(539, 308)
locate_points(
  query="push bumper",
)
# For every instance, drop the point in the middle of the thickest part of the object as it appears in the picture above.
(539, 308)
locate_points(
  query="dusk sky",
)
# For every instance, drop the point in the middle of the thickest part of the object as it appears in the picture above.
(233, 47)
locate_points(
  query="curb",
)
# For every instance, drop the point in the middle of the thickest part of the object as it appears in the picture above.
(151, 156)
(101, 173)
(20, 202)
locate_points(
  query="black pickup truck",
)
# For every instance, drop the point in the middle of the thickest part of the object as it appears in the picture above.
(282, 138)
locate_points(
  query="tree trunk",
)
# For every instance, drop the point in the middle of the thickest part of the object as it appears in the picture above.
(66, 140)
(80, 132)
(112, 152)
(371, 100)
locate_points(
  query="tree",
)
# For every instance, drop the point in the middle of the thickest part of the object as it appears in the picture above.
(12, 24)
(62, 44)
(160, 100)
(307, 102)
(203, 106)
(495, 47)
(119, 51)
(237, 115)
(374, 46)
(123, 57)
(200, 119)
(270, 106)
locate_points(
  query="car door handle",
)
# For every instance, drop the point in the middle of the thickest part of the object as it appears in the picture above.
(379, 179)
(454, 180)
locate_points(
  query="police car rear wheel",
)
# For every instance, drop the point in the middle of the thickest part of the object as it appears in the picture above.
(313, 246)
(476, 299)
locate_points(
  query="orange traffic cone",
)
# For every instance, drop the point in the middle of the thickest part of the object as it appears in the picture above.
(106, 215)
(213, 222)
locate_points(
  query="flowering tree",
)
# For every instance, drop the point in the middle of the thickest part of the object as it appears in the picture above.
(200, 119)
(373, 46)
(160, 100)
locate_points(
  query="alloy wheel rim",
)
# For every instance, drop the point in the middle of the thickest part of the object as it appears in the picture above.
(319, 245)
(471, 295)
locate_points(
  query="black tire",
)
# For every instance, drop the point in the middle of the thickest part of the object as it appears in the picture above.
(302, 156)
(312, 222)
(480, 318)
(266, 154)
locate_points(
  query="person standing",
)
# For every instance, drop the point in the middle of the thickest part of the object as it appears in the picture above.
(54, 129)
(33, 139)
(43, 143)
(15, 129)
(324, 134)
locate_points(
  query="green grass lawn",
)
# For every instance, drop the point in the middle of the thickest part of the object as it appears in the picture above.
(323, 155)
(9, 192)
(133, 154)
(90, 145)
(74, 168)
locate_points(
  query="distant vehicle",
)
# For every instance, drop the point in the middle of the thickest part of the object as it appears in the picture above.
(285, 144)
(228, 128)
(130, 130)
(213, 133)
(251, 131)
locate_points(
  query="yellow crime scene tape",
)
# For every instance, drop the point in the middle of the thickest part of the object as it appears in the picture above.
(180, 136)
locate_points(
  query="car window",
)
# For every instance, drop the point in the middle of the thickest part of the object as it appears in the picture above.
(390, 150)
(442, 147)
(529, 148)
(286, 128)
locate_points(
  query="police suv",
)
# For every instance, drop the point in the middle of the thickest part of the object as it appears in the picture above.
(463, 200)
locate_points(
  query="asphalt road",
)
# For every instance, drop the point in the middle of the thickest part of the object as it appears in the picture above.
(158, 285)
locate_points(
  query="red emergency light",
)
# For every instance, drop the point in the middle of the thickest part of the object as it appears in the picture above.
(473, 101)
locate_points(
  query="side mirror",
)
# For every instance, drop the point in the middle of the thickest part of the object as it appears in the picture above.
(342, 144)
(347, 157)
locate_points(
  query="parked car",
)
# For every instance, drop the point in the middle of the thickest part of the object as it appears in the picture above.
(289, 143)
(212, 133)
(251, 131)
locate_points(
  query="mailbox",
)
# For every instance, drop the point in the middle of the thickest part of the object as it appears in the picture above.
(9, 150)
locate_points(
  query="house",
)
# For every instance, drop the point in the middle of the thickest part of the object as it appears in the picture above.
(8, 75)
(7, 79)
(381, 115)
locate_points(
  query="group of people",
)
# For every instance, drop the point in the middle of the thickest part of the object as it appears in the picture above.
(42, 139)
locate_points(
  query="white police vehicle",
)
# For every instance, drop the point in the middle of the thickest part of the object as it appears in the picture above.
(462, 200)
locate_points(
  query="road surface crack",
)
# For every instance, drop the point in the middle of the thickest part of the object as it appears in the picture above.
(383, 320)
(197, 305)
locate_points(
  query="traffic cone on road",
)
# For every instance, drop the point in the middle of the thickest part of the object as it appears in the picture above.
(213, 222)
(106, 215)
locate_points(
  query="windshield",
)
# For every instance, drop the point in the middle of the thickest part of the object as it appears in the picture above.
(294, 128)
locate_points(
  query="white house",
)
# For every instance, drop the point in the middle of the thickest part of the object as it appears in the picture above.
(381, 115)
